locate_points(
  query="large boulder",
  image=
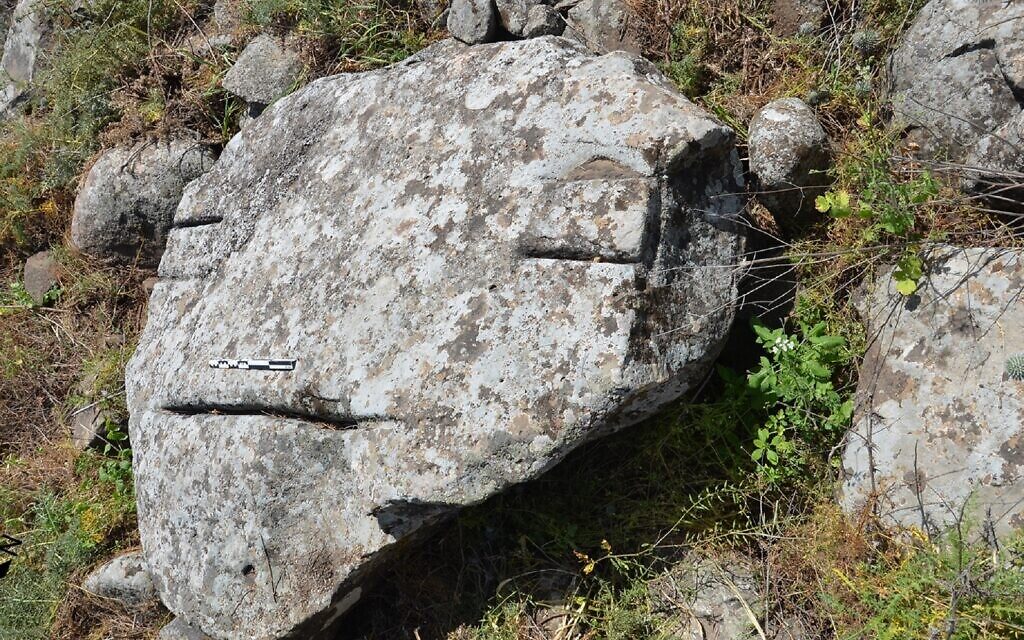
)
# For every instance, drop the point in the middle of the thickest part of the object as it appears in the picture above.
(938, 433)
(956, 74)
(478, 259)
(126, 205)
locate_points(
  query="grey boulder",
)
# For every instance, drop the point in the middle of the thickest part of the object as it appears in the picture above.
(126, 204)
(264, 71)
(995, 165)
(938, 434)
(543, 20)
(473, 21)
(479, 259)
(124, 579)
(789, 158)
(603, 25)
(40, 275)
(955, 74)
(25, 38)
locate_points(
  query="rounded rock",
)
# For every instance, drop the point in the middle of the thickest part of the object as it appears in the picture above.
(124, 579)
(789, 157)
(126, 205)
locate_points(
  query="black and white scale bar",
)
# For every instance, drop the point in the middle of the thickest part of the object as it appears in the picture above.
(257, 365)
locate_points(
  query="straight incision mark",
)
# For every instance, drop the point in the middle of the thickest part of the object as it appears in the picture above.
(196, 222)
(573, 254)
(329, 422)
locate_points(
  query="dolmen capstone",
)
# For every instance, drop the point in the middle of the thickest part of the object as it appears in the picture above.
(478, 259)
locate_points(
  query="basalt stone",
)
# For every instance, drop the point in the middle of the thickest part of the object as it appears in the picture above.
(938, 434)
(956, 75)
(473, 21)
(479, 259)
(126, 205)
(265, 71)
(789, 158)
(124, 579)
(40, 275)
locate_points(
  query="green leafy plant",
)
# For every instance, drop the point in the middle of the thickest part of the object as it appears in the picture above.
(794, 384)
(908, 273)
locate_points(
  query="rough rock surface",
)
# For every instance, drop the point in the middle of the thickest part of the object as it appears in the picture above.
(126, 205)
(177, 629)
(514, 14)
(707, 598)
(473, 21)
(21, 48)
(955, 75)
(264, 71)
(41, 274)
(543, 20)
(87, 426)
(479, 258)
(996, 164)
(124, 579)
(603, 26)
(938, 423)
(6, 11)
(789, 157)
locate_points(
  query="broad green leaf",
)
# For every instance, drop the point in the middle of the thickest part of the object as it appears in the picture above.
(906, 287)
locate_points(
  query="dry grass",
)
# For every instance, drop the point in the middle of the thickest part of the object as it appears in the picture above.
(43, 348)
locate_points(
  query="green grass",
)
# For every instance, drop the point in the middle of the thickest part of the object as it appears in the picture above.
(62, 531)
(354, 35)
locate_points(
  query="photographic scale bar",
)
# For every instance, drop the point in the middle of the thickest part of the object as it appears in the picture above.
(280, 364)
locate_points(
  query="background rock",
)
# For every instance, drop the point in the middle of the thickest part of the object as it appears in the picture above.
(789, 158)
(480, 259)
(543, 20)
(955, 74)
(24, 40)
(264, 71)
(124, 579)
(514, 14)
(473, 21)
(41, 274)
(707, 597)
(603, 26)
(126, 205)
(939, 425)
